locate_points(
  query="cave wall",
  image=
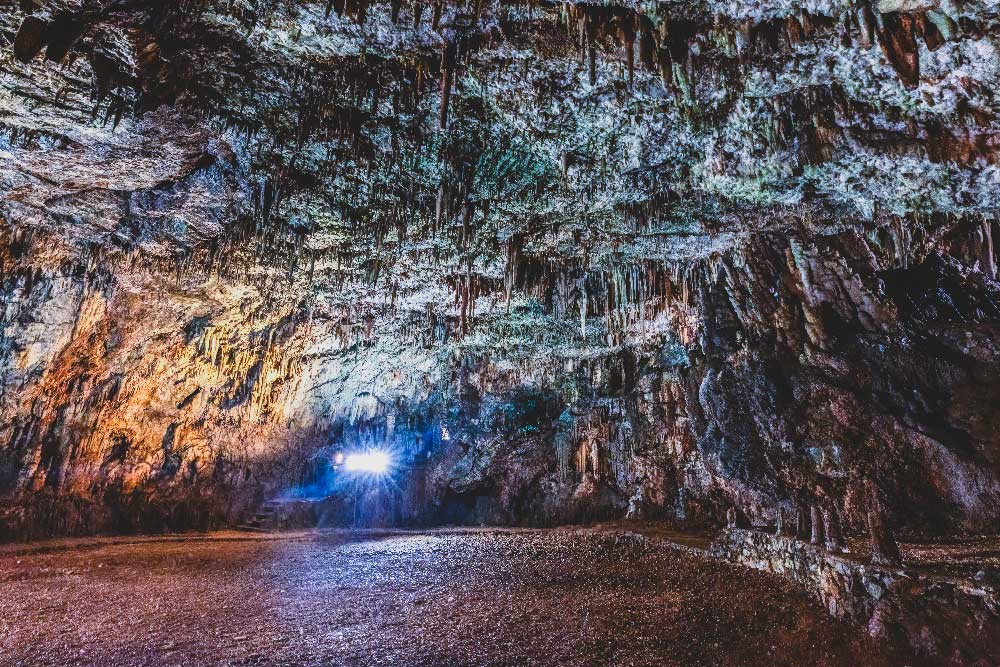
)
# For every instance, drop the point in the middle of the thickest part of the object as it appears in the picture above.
(855, 364)
(843, 367)
(569, 261)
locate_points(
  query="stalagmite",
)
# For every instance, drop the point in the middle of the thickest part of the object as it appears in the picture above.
(831, 521)
(817, 534)
(884, 548)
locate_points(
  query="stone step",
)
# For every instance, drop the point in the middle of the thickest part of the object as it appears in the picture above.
(253, 529)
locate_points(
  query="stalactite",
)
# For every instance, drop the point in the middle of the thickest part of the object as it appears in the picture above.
(647, 43)
(449, 56)
(928, 29)
(986, 257)
(628, 37)
(803, 523)
(794, 32)
(898, 41)
(30, 38)
(436, 16)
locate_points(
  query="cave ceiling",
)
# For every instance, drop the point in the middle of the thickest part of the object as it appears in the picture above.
(361, 148)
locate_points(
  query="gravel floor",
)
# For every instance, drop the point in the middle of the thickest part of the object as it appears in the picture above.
(563, 597)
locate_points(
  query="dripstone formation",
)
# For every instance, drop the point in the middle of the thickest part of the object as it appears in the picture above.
(695, 261)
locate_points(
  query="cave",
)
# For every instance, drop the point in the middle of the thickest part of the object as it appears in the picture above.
(499, 332)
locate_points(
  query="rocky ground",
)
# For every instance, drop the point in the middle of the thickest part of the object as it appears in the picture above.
(484, 597)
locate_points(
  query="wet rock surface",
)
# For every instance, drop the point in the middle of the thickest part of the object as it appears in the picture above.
(440, 598)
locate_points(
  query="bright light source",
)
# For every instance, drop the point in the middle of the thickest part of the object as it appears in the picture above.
(374, 462)
(338, 458)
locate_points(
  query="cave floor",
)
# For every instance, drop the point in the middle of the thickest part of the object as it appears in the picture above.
(449, 598)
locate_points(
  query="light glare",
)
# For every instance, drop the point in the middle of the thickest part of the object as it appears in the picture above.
(375, 462)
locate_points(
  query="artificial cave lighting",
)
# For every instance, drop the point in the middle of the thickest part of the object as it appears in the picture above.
(375, 462)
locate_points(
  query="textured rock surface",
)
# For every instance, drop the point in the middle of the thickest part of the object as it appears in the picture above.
(696, 255)
(948, 620)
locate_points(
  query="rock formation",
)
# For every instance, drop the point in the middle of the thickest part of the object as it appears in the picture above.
(719, 257)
